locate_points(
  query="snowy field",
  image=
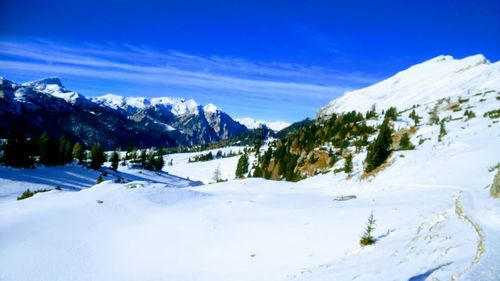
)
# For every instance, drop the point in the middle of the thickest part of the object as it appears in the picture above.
(435, 218)
(74, 177)
(204, 171)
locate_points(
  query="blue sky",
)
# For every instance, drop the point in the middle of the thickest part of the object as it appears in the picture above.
(271, 60)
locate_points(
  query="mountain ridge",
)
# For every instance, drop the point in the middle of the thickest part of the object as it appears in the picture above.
(161, 121)
(431, 80)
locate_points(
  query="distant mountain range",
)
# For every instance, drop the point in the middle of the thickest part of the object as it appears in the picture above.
(251, 123)
(47, 106)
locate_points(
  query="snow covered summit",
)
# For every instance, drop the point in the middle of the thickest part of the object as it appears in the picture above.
(178, 106)
(437, 78)
(251, 123)
(54, 87)
(47, 106)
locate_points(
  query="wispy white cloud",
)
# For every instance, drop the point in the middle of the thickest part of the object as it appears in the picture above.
(141, 65)
(123, 61)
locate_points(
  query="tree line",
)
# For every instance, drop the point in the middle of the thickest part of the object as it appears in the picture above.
(22, 152)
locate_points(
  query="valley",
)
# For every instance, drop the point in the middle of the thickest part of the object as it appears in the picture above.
(195, 219)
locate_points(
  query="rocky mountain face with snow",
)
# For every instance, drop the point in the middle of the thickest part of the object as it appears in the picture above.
(46, 106)
(251, 123)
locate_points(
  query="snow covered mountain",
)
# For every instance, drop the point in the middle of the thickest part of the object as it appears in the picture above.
(437, 78)
(47, 106)
(251, 123)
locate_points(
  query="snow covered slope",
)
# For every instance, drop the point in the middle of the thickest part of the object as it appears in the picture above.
(203, 171)
(423, 83)
(14, 181)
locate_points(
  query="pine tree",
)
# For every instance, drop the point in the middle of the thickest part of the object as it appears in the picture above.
(115, 158)
(380, 148)
(143, 158)
(242, 167)
(159, 162)
(372, 113)
(442, 130)
(219, 154)
(348, 163)
(17, 151)
(97, 157)
(99, 179)
(434, 116)
(332, 157)
(413, 115)
(391, 113)
(149, 164)
(48, 150)
(78, 152)
(65, 150)
(404, 142)
(217, 177)
(257, 147)
(367, 237)
(257, 172)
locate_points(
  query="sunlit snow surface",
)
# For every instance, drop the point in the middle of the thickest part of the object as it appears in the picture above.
(435, 217)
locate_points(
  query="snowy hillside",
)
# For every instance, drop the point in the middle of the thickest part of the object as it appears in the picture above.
(203, 171)
(251, 123)
(423, 83)
(73, 178)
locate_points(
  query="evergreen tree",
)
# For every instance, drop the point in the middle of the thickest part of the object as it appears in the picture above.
(404, 142)
(372, 113)
(65, 150)
(413, 115)
(242, 167)
(17, 151)
(78, 152)
(258, 145)
(99, 179)
(217, 177)
(348, 163)
(115, 158)
(257, 172)
(442, 130)
(219, 154)
(380, 148)
(391, 113)
(434, 116)
(332, 157)
(367, 237)
(150, 161)
(48, 150)
(97, 157)
(159, 162)
(143, 158)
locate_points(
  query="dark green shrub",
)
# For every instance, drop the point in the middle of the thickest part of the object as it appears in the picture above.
(28, 193)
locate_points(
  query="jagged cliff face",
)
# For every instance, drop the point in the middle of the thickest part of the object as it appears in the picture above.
(46, 106)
